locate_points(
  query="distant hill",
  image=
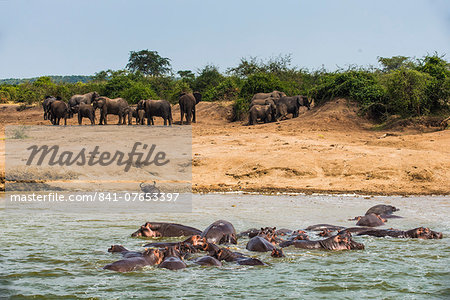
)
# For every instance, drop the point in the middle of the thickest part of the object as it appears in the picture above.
(55, 79)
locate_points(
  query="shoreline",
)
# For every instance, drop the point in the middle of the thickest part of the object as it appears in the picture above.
(300, 191)
(326, 150)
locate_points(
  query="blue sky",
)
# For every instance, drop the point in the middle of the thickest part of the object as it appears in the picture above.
(62, 37)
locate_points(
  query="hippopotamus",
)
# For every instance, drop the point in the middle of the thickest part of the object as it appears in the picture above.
(354, 230)
(172, 263)
(320, 227)
(161, 229)
(370, 220)
(194, 240)
(337, 242)
(248, 233)
(208, 261)
(249, 261)
(277, 253)
(418, 233)
(124, 251)
(259, 244)
(423, 233)
(172, 259)
(325, 233)
(299, 235)
(283, 232)
(382, 210)
(149, 257)
(220, 232)
(304, 244)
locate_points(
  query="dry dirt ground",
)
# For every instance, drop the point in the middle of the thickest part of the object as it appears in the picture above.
(328, 149)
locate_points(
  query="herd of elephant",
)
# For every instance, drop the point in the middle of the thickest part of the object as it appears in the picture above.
(270, 107)
(85, 105)
(265, 107)
(203, 247)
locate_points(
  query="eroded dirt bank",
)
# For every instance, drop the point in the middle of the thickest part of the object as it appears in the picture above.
(328, 149)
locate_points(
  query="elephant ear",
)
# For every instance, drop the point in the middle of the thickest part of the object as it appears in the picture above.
(198, 97)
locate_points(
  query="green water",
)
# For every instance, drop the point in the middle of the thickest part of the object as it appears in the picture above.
(48, 254)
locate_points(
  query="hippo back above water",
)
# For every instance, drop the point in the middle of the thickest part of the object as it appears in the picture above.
(220, 232)
(370, 220)
(160, 229)
(382, 210)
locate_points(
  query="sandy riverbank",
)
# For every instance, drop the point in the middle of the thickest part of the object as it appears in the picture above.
(328, 149)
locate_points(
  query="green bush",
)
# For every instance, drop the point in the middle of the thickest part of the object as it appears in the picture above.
(180, 86)
(138, 91)
(228, 89)
(240, 108)
(406, 91)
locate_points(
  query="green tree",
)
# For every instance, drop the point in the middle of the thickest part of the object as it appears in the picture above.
(186, 74)
(395, 62)
(208, 78)
(148, 63)
(247, 67)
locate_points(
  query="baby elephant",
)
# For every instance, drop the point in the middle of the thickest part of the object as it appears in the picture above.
(86, 111)
(266, 113)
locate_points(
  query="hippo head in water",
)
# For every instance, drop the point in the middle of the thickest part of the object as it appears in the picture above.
(341, 241)
(423, 233)
(153, 256)
(299, 235)
(117, 248)
(146, 231)
(277, 253)
(196, 241)
(172, 259)
(325, 233)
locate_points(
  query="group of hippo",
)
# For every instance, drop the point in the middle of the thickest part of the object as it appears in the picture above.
(270, 107)
(85, 105)
(203, 247)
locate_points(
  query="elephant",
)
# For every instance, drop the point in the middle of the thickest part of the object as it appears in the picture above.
(86, 98)
(262, 112)
(187, 106)
(150, 257)
(157, 108)
(117, 106)
(265, 101)
(139, 115)
(59, 109)
(275, 95)
(291, 105)
(46, 106)
(85, 111)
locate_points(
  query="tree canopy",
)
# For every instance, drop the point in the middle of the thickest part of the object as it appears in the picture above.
(148, 63)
